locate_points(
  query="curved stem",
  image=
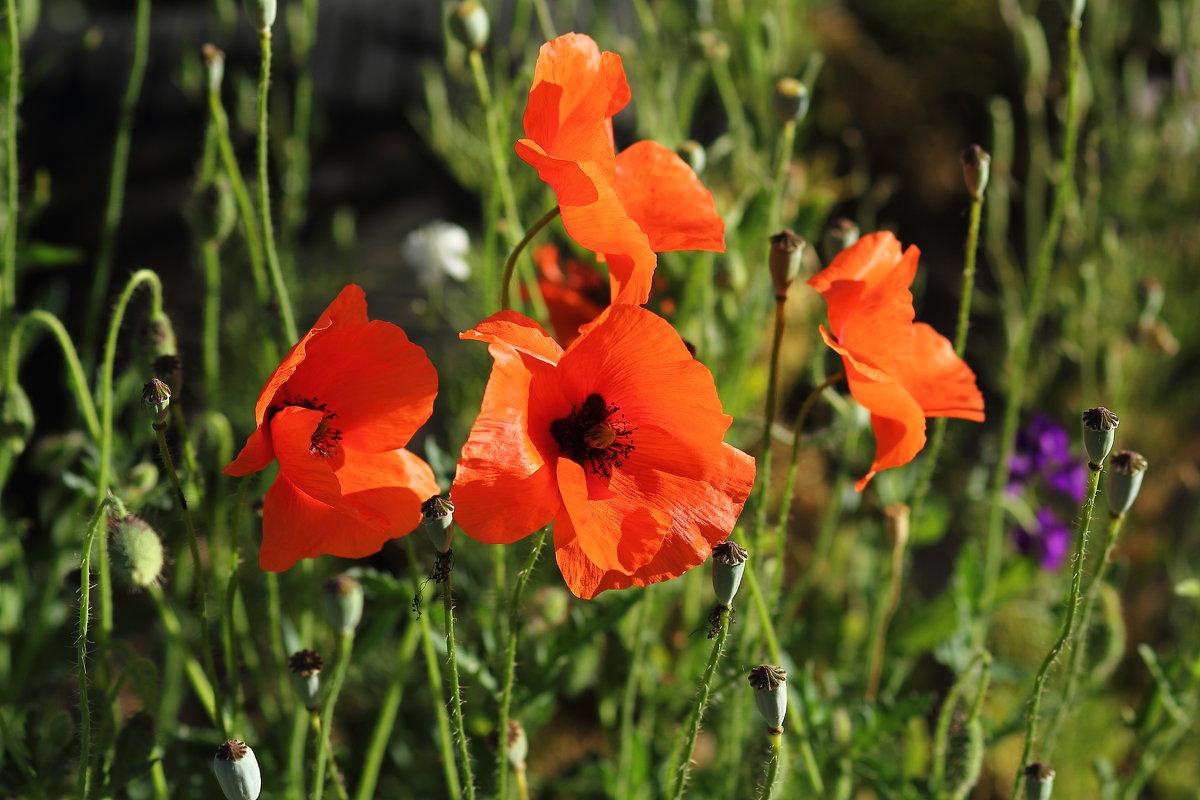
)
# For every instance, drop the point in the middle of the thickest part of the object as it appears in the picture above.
(287, 317)
(83, 397)
(325, 721)
(120, 167)
(1073, 597)
(460, 730)
(683, 760)
(510, 660)
(81, 650)
(1018, 361)
(510, 263)
(767, 790)
(891, 600)
(12, 198)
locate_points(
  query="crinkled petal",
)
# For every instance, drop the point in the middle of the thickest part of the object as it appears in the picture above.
(866, 291)
(668, 202)
(517, 331)
(941, 382)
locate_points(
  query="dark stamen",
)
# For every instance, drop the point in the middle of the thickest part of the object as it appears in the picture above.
(591, 435)
(325, 438)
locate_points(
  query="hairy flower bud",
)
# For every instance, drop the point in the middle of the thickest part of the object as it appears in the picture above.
(729, 562)
(237, 771)
(964, 757)
(1099, 432)
(136, 551)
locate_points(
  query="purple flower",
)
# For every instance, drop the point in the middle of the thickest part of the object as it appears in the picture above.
(1044, 448)
(1049, 539)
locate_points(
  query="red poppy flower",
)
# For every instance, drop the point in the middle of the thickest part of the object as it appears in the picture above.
(901, 371)
(574, 293)
(336, 414)
(624, 207)
(618, 440)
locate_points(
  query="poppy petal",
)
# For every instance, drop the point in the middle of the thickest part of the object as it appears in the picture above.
(572, 186)
(866, 291)
(379, 384)
(256, 454)
(941, 382)
(668, 202)
(517, 331)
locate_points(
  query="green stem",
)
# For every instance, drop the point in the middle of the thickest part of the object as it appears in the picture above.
(12, 198)
(212, 321)
(81, 650)
(386, 721)
(78, 383)
(629, 697)
(785, 505)
(764, 458)
(890, 600)
(460, 730)
(299, 144)
(787, 143)
(510, 660)
(1068, 626)
(544, 20)
(286, 315)
(496, 146)
(683, 757)
(510, 263)
(941, 738)
(229, 653)
(1018, 361)
(436, 687)
(195, 672)
(102, 273)
(325, 722)
(201, 585)
(966, 295)
(768, 788)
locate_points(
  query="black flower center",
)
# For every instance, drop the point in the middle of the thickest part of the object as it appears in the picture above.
(594, 436)
(325, 438)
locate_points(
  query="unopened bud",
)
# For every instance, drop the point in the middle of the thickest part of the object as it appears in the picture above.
(977, 168)
(237, 771)
(770, 695)
(1039, 781)
(840, 235)
(964, 757)
(1099, 432)
(343, 603)
(1125, 473)
(470, 24)
(694, 154)
(136, 551)
(729, 562)
(157, 396)
(261, 13)
(305, 666)
(438, 518)
(787, 251)
(214, 66)
(790, 100)
(158, 339)
(895, 520)
(517, 744)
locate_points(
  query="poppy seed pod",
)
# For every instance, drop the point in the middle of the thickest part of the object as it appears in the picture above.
(137, 552)
(1126, 470)
(790, 100)
(470, 24)
(437, 515)
(1039, 781)
(305, 666)
(787, 252)
(838, 236)
(261, 13)
(343, 603)
(770, 695)
(157, 396)
(237, 771)
(977, 168)
(729, 562)
(1099, 432)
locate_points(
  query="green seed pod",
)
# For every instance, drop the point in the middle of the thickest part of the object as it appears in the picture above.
(729, 562)
(261, 13)
(518, 744)
(787, 253)
(237, 771)
(977, 168)
(770, 695)
(137, 552)
(1099, 432)
(157, 396)
(305, 666)
(694, 154)
(343, 603)
(470, 24)
(964, 757)
(1126, 470)
(438, 518)
(840, 235)
(1039, 781)
(790, 100)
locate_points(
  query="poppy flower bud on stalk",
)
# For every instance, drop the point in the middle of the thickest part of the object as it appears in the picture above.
(470, 24)
(1127, 469)
(438, 518)
(158, 401)
(305, 666)
(517, 745)
(214, 65)
(237, 771)
(137, 552)
(694, 154)
(1039, 781)
(343, 603)
(790, 100)
(729, 562)
(261, 13)
(977, 168)
(840, 235)
(1099, 432)
(787, 252)
(965, 757)
(770, 695)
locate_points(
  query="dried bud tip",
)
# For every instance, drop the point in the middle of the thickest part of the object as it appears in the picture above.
(157, 396)
(1100, 419)
(232, 751)
(1125, 480)
(730, 553)
(438, 513)
(787, 253)
(1038, 770)
(305, 662)
(1128, 462)
(237, 771)
(1099, 433)
(437, 508)
(767, 678)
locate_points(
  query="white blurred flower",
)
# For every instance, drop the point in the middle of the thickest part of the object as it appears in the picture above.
(436, 250)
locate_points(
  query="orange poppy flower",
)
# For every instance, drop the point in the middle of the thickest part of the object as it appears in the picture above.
(901, 371)
(336, 414)
(618, 440)
(624, 207)
(574, 293)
